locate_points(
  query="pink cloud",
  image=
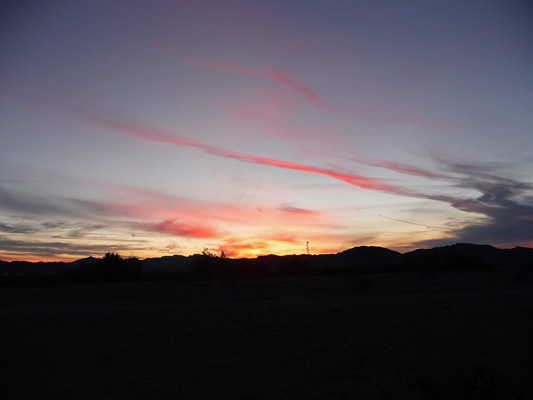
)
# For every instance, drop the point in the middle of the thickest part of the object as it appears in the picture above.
(164, 137)
(180, 216)
(290, 209)
(271, 111)
(185, 229)
(364, 112)
(157, 135)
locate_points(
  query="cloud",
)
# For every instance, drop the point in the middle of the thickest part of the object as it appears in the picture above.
(287, 208)
(17, 228)
(141, 211)
(505, 203)
(56, 249)
(497, 200)
(272, 74)
(273, 113)
(359, 111)
(414, 223)
(27, 203)
(82, 229)
(194, 230)
(402, 168)
(63, 217)
(191, 213)
(31, 206)
(165, 137)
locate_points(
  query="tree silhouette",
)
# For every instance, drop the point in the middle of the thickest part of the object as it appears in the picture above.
(209, 265)
(111, 268)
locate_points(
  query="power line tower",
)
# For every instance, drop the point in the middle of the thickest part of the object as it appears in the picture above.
(307, 247)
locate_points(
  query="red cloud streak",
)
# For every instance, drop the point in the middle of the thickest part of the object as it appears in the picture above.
(161, 136)
(156, 135)
(184, 229)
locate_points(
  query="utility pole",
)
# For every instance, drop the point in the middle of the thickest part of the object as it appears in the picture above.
(307, 247)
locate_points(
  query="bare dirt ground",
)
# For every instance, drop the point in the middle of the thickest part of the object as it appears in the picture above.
(286, 338)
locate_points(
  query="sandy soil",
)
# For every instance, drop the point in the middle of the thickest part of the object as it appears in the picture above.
(290, 338)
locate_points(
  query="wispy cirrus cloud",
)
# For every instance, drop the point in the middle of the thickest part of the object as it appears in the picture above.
(361, 111)
(495, 202)
(178, 228)
(154, 205)
(83, 229)
(70, 217)
(505, 203)
(291, 209)
(271, 112)
(29, 248)
(335, 173)
(273, 74)
(18, 228)
(124, 214)
(22, 202)
(399, 167)
(272, 229)
(414, 223)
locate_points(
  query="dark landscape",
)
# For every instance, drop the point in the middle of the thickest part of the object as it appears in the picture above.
(413, 328)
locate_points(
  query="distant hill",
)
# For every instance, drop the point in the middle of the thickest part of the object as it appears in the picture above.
(457, 256)
(168, 264)
(30, 268)
(465, 253)
(88, 260)
(368, 256)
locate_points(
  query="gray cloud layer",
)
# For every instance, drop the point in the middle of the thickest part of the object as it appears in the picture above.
(505, 202)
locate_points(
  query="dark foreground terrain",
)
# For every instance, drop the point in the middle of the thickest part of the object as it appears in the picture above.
(455, 335)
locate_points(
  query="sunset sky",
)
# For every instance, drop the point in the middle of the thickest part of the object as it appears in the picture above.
(154, 128)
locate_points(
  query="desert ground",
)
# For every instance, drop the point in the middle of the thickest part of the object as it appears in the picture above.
(406, 337)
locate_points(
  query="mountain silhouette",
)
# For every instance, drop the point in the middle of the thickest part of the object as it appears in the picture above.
(88, 260)
(165, 264)
(368, 256)
(466, 253)
(457, 256)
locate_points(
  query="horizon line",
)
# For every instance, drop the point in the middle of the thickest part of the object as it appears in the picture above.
(271, 254)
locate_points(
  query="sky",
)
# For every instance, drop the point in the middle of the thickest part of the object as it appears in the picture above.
(154, 128)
